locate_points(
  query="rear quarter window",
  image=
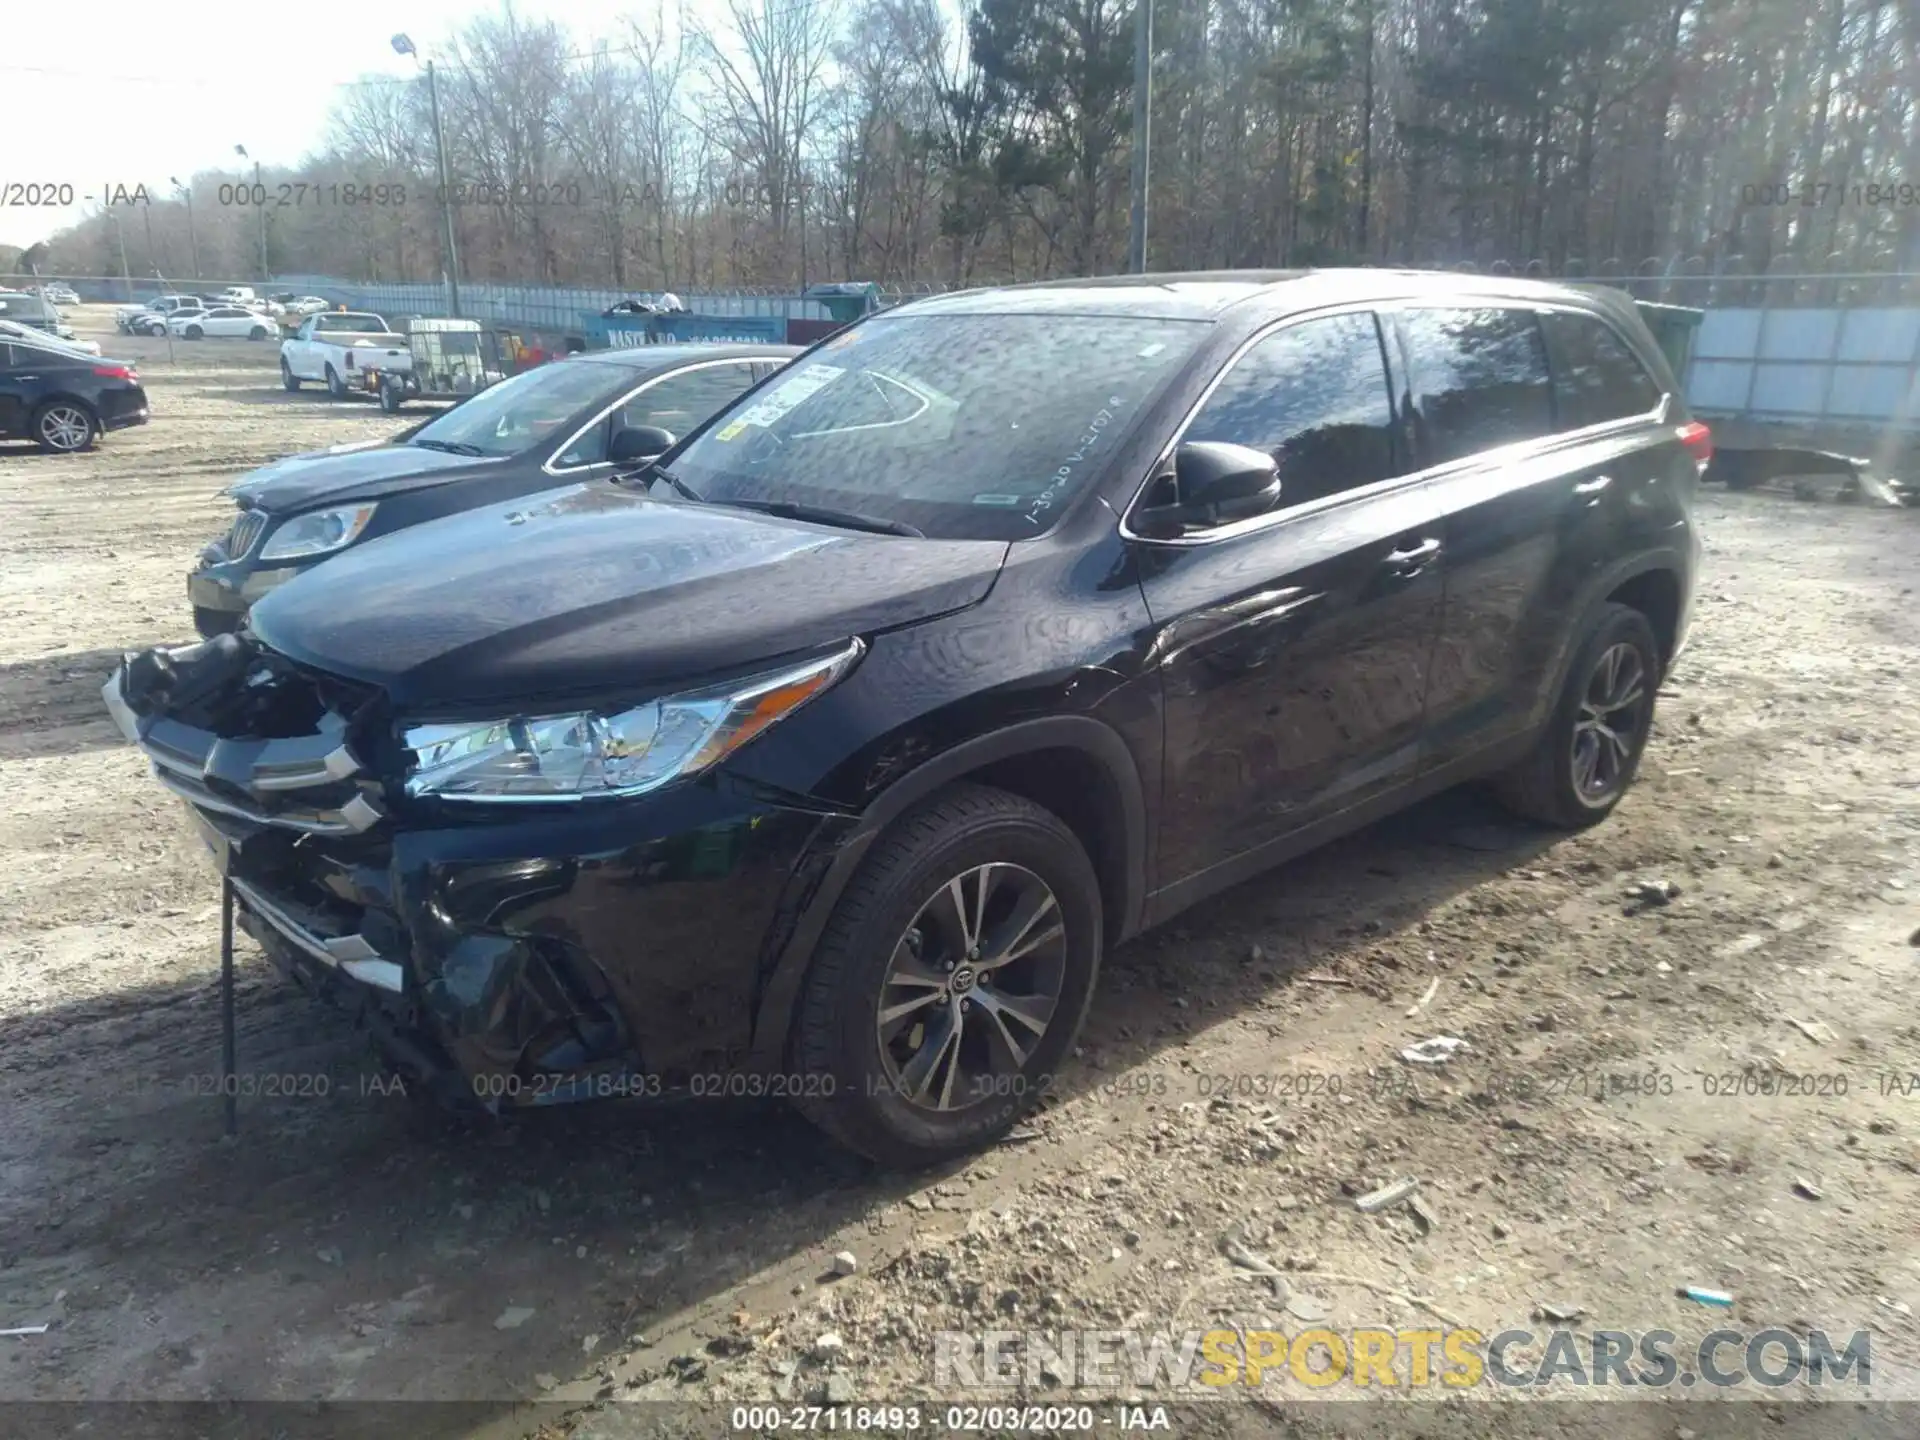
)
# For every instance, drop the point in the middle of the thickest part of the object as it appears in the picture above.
(1596, 375)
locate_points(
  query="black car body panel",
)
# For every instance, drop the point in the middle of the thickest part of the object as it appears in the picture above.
(1194, 705)
(35, 375)
(351, 472)
(605, 581)
(411, 483)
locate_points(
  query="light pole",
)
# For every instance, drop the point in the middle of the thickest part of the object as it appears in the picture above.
(193, 243)
(404, 46)
(126, 276)
(1142, 125)
(260, 192)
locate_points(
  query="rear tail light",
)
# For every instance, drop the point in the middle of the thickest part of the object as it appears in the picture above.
(349, 359)
(116, 372)
(1698, 440)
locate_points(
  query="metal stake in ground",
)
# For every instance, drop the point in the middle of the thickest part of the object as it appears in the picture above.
(229, 1083)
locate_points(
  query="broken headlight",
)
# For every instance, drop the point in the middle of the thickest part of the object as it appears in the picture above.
(627, 752)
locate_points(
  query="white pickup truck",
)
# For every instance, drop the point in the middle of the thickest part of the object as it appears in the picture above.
(335, 346)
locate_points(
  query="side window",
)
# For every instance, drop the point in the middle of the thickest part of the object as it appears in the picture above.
(1314, 396)
(1596, 376)
(1480, 379)
(680, 402)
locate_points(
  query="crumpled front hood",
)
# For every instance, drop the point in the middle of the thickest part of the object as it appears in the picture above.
(594, 591)
(350, 472)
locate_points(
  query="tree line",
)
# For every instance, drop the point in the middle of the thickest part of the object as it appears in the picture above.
(792, 141)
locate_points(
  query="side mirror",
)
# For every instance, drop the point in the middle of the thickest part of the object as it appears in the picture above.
(639, 443)
(1217, 483)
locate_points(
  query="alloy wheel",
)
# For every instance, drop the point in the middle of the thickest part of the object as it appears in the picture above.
(65, 427)
(972, 987)
(1608, 729)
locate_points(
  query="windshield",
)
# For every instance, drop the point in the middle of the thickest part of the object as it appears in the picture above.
(964, 426)
(525, 410)
(358, 324)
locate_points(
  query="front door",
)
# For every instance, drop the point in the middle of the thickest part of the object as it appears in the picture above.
(1293, 648)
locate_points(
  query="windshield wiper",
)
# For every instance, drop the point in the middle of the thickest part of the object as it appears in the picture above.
(825, 515)
(685, 491)
(452, 447)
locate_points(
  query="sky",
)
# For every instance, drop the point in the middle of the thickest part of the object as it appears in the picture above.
(131, 92)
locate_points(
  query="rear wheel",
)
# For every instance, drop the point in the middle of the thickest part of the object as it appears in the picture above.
(336, 387)
(1590, 751)
(65, 427)
(288, 379)
(259, 332)
(391, 395)
(951, 980)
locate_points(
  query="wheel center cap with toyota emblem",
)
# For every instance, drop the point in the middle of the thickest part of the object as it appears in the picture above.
(963, 980)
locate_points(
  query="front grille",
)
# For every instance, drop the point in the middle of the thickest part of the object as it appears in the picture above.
(247, 526)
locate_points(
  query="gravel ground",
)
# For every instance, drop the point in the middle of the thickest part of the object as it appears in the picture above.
(1719, 1090)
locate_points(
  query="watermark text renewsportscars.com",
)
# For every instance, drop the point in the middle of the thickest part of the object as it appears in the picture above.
(1319, 1358)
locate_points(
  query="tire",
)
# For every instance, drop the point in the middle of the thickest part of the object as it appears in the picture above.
(391, 397)
(194, 332)
(336, 387)
(1546, 786)
(857, 1086)
(210, 622)
(288, 380)
(259, 332)
(65, 427)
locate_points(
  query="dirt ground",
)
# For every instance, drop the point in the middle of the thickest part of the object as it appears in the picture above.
(1721, 1090)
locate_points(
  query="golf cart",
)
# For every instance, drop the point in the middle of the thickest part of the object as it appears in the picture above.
(448, 360)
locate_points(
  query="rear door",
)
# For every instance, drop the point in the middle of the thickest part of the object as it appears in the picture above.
(1293, 647)
(1533, 496)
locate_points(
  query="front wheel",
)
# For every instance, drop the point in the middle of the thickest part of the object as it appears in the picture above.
(951, 979)
(64, 427)
(194, 332)
(288, 379)
(1588, 754)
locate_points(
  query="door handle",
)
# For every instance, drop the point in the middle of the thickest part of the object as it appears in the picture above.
(1416, 555)
(1593, 486)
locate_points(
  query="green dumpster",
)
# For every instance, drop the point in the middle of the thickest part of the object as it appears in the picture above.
(846, 301)
(1673, 327)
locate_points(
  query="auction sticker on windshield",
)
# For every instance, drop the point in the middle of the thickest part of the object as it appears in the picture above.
(782, 398)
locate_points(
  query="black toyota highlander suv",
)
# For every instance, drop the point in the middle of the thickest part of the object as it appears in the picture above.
(827, 757)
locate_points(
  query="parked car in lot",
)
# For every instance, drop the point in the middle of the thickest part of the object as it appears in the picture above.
(236, 295)
(555, 426)
(62, 295)
(34, 312)
(223, 320)
(992, 631)
(62, 398)
(152, 318)
(334, 347)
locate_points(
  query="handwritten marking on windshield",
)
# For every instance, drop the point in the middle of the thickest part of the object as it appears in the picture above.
(1095, 427)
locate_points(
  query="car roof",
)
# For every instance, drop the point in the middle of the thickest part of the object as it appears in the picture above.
(648, 357)
(1210, 295)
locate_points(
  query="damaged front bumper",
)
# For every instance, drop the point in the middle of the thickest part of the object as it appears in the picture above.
(610, 949)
